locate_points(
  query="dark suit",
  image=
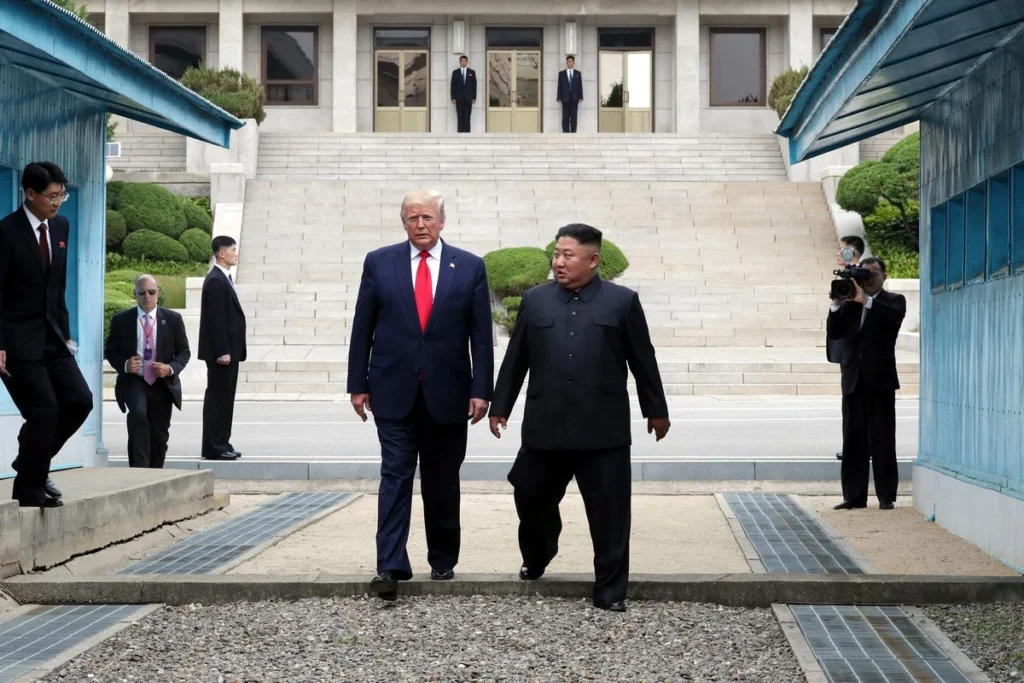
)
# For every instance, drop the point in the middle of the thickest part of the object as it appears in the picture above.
(576, 347)
(45, 382)
(570, 94)
(463, 94)
(221, 333)
(420, 383)
(148, 406)
(870, 382)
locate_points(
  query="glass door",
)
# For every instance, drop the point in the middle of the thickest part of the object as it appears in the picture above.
(514, 91)
(627, 101)
(402, 98)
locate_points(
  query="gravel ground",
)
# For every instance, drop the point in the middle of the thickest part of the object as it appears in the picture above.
(442, 639)
(991, 635)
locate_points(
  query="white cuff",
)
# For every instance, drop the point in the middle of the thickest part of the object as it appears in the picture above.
(834, 308)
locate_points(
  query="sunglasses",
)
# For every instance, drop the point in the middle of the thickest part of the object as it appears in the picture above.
(151, 292)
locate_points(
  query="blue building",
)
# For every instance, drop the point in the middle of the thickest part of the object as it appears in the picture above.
(957, 66)
(59, 77)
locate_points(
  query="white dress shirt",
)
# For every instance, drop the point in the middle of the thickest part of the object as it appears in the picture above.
(140, 337)
(227, 273)
(35, 222)
(463, 75)
(863, 314)
(433, 264)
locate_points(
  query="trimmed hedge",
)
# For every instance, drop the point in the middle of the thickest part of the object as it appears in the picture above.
(123, 275)
(125, 288)
(151, 245)
(197, 244)
(117, 229)
(235, 92)
(150, 207)
(196, 218)
(114, 189)
(113, 303)
(513, 270)
(783, 89)
(612, 264)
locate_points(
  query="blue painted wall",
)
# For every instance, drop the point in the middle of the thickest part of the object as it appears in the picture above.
(39, 122)
(972, 298)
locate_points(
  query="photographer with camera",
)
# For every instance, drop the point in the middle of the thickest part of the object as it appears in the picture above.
(866, 320)
(849, 253)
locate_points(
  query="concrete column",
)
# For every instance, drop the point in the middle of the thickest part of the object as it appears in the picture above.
(687, 67)
(343, 115)
(231, 31)
(801, 33)
(116, 22)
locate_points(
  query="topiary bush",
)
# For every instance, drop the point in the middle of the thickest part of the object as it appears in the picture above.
(612, 264)
(513, 270)
(783, 89)
(196, 218)
(117, 230)
(152, 245)
(146, 206)
(125, 288)
(506, 316)
(123, 275)
(197, 244)
(113, 303)
(236, 93)
(114, 189)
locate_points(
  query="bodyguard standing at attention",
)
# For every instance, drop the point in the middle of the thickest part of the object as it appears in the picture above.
(576, 337)
(570, 94)
(222, 346)
(464, 92)
(422, 314)
(148, 348)
(37, 355)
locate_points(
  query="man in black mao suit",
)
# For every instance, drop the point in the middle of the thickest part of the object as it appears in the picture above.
(37, 363)
(222, 346)
(148, 348)
(575, 337)
(867, 326)
(570, 94)
(463, 92)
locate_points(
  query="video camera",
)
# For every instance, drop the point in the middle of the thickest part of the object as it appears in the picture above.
(842, 286)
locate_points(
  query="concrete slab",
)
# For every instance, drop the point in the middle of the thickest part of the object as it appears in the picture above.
(10, 537)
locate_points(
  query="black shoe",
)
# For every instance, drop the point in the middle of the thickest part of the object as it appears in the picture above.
(51, 489)
(615, 606)
(228, 455)
(385, 586)
(886, 506)
(847, 505)
(446, 575)
(36, 498)
(238, 454)
(527, 574)
(839, 455)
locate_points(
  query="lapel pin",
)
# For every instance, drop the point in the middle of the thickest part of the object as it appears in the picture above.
(451, 265)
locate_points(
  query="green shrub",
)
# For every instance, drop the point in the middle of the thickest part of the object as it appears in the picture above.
(887, 226)
(117, 229)
(146, 206)
(125, 288)
(113, 303)
(236, 93)
(114, 189)
(202, 201)
(513, 270)
(123, 275)
(612, 264)
(512, 303)
(900, 262)
(197, 244)
(119, 262)
(784, 87)
(196, 218)
(506, 315)
(148, 244)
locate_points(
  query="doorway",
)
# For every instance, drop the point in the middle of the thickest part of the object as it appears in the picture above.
(626, 80)
(514, 80)
(401, 81)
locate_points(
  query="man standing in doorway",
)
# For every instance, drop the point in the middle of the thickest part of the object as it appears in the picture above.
(423, 313)
(575, 337)
(464, 92)
(570, 94)
(37, 355)
(222, 346)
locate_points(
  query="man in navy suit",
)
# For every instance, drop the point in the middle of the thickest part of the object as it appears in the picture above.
(570, 94)
(463, 92)
(423, 311)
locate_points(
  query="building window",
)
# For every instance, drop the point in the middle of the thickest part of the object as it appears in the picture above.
(938, 262)
(172, 49)
(955, 243)
(825, 37)
(290, 65)
(737, 67)
(625, 38)
(510, 36)
(998, 252)
(401, 37)
(975, 234)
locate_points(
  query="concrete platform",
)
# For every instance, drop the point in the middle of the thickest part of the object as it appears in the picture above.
(101, 506)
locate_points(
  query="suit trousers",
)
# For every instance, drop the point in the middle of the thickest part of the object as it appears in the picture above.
(869, 433)
(219, 407)
(149, 421)
(569, 112)
(54, 400)
(464, 111)
(441, 448)
(539, 479)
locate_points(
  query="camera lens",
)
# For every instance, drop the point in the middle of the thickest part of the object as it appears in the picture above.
(842, 290)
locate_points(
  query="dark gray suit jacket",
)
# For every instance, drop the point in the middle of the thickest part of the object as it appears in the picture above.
(868, 356)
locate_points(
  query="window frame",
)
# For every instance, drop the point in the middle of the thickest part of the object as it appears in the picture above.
(158, 27)
(763, 94)
(316, 66)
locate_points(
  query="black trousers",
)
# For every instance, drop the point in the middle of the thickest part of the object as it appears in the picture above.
(149, 421)
(604, 478)
(869, 433)
(464, 110)
(219, 407)
(569, 111)
(440, 448)
(53, 398)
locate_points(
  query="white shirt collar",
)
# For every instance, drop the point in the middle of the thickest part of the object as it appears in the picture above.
(33, 221)
(227, 273)
(414, 251)
(151, 314)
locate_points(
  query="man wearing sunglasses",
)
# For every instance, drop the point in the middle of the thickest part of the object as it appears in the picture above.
(37, 363)
(148, 348)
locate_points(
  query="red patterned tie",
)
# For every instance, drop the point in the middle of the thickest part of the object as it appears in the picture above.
(148, 372)
(424, 295)
(44, 247)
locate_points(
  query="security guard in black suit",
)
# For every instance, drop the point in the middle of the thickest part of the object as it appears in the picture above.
(575, 338)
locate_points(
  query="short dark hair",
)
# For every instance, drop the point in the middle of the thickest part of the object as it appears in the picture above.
(856, 242)
(873, 259)
(582, 233)
(572, 57)
(221, 242)
(39, 175)
(461, 57)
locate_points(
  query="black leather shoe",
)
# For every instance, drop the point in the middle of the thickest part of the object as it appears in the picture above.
(886, 506)
(222, 456)
(385, 586)
(616, 606)
(51, 489)
(446, 575)
(847, 505)
(238, 454)
(37, 498)
(839, 455)
(527, 574)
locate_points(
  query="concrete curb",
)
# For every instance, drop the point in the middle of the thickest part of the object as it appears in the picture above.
(740, 590)
(969, 669)
(813, 672)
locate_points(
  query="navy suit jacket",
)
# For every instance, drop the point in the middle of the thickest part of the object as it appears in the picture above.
(388, 350)
(567, 94)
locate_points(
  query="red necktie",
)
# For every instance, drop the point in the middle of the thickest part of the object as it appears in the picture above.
(424, 297)
(44, 247)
